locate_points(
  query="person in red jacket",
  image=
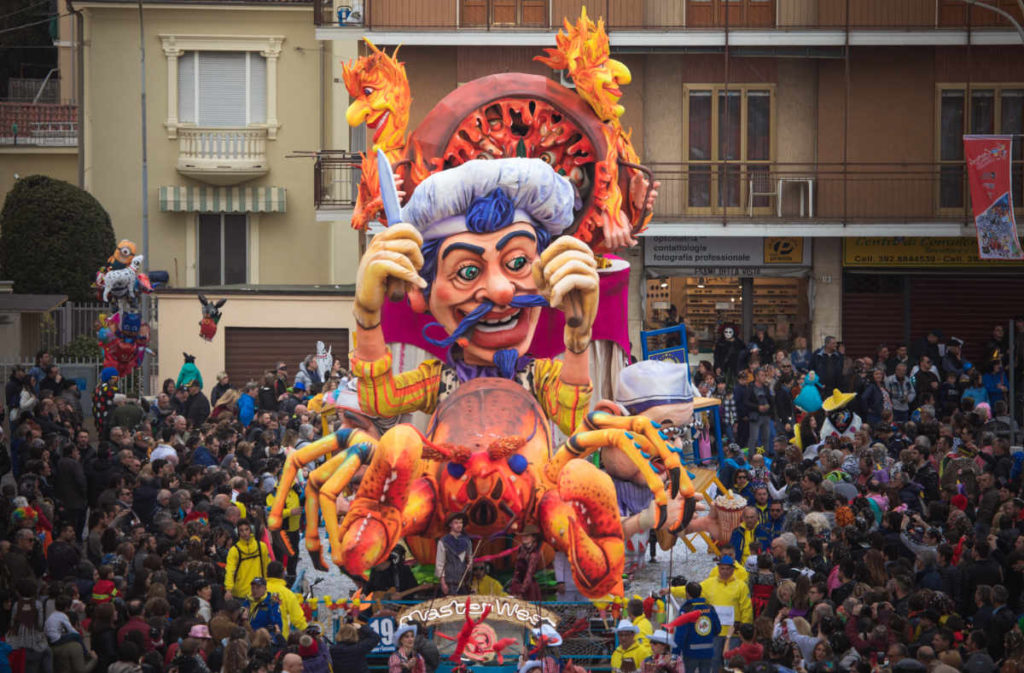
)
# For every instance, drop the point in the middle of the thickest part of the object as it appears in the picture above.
(136, 623)
(748, 649)
(104, 591)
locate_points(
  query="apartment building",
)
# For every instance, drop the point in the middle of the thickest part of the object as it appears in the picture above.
(237, 97)
(809, 151)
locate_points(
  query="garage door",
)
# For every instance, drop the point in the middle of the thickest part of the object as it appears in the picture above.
(251, 351)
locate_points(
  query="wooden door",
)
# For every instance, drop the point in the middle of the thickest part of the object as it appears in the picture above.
(741, 13)
(954, 13)
(759, 13)
(503, 12)
(473, 13)
(701, 13)
(533, 13)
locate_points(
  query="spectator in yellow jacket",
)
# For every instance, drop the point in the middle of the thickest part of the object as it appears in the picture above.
(292, 616)
(635, 608)
(631, 653)
(247, 559)
(730, 597)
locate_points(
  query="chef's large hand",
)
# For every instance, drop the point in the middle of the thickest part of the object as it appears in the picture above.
(393, 253)
(568, 266)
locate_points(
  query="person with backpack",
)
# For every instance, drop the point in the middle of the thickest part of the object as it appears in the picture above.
(247, 559)
(27, 635)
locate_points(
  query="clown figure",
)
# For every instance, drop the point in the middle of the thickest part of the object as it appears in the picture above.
(482, 251)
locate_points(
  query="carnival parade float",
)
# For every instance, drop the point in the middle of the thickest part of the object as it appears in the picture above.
(502, 211)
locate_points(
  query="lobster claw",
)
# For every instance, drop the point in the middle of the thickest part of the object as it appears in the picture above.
(673, 474)
(662, 516)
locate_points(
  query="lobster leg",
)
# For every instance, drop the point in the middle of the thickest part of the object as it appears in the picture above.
(339, 440)
(375, 518)
(354, 458)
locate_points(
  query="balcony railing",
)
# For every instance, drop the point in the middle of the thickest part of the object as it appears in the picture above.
(222, 156)
(503, 15)
(850, 193)
(857, 193)
(335, 179)
(38, 124)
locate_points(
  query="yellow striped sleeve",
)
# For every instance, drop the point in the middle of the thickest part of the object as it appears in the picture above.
(382, 393)
(566, 404)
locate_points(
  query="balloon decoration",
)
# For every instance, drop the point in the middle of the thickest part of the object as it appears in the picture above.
(211, 317)
(122, 335)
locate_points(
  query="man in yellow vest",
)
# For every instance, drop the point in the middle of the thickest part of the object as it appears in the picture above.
(630, 654)
(247, 559)
(742, 538)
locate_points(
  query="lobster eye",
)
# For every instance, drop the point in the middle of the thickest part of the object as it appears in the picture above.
(517, 463)
(455, 470)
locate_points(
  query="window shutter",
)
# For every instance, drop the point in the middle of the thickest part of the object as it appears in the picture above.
(222, 88)
(257, 89)
(186, 87)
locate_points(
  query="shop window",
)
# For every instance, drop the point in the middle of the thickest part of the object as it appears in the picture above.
(730, 138)
(223, 240)
(992, 109)
(704, 303)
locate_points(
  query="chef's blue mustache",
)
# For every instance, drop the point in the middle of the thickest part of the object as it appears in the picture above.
(476, 315)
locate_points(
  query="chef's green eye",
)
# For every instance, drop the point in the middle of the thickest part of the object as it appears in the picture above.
(468, 272)
(516, 263)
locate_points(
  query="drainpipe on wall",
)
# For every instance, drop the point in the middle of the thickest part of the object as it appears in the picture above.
(79, 41)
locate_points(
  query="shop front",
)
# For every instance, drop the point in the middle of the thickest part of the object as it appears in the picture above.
(895, 289)
(713, 281)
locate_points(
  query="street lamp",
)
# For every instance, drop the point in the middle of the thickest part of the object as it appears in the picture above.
(1003, 13)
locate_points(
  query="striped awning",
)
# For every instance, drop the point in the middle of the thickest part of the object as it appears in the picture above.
(174, 199)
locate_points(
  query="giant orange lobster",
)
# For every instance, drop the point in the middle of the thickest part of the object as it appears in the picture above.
(488, 453)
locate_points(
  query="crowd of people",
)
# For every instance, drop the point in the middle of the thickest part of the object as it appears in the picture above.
(140, 543)
(136, 540)
(894, 542)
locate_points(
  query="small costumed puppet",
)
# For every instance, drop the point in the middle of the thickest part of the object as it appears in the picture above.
(189, 372)
(211, 317)
(839, 421)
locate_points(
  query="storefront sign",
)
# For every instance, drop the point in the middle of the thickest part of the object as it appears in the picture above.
(503, 609)
(988, 171)
(714, 255)
(915, 251)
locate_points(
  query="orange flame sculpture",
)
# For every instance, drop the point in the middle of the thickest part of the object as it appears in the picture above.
(584, 53)
(381, 99)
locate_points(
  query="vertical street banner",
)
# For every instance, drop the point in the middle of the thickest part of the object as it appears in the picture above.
(988, 170)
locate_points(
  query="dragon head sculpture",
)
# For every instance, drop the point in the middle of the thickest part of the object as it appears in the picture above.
(380, 89)
(583, 51)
